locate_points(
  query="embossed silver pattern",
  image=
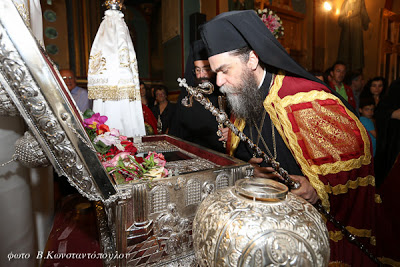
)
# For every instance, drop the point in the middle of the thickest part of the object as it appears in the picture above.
(29, 79)
(7, 107)
(190, 165)
(160, 146)
(163, 235)
(159, 198)
(29, 152)
(232, 229)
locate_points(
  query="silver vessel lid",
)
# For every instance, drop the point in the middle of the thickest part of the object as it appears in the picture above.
(261, 189)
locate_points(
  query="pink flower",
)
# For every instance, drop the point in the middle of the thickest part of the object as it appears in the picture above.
(272, 21)
(122, 138)
(114, 132)
(122, 155)
(106, 138)
(114, 161)
(158, 158)
(165, 172)
(95, 120)
(107, 164)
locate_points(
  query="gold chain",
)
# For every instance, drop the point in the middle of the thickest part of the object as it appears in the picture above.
(259, 129)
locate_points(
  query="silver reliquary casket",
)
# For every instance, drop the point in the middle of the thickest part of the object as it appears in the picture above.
(152, 221)
(149, 221)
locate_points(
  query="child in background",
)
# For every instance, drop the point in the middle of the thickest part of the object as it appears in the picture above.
(366, 109)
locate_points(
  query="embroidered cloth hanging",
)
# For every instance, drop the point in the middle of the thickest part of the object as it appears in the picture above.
(113, 77)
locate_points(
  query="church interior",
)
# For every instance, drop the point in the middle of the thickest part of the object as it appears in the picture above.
(60, 222)
(163, 30)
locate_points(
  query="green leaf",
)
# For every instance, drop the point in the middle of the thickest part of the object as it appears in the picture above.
(120, 163)
(101, 147)
(137, 164)
(91, 133)
(88, 113)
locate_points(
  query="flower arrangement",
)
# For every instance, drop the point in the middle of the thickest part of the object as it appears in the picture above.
(118, 155)
(272, 21)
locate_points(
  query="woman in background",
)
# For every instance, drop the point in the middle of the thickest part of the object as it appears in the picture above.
(164, 111)
(375, 88)
(145, 95)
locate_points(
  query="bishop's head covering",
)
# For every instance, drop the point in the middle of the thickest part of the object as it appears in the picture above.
(237, 29)
(198, 51)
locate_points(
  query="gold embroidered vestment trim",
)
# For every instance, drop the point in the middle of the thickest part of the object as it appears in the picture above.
(276, 108)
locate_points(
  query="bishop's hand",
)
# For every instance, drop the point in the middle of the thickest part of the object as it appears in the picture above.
(263, 172)
(305, 190)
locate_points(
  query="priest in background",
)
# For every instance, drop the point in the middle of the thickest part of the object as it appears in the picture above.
(196, 124)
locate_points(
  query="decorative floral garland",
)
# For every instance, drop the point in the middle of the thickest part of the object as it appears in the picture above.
(272, 21)
(118, 154)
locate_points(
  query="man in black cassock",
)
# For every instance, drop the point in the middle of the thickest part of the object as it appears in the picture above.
(295, 118)
(195, 124)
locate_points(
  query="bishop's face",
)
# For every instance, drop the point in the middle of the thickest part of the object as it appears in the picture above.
(228, 69)
(238, 81)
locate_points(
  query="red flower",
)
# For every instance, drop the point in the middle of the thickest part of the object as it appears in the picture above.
(139, 159)
(129, 147)
(112, 151)
(102, 129)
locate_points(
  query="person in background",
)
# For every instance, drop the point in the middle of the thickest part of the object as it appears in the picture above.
(366, 110)
(375, 88)
(319, 74)
(338, 73)
(152, 97)
(295, 118)
(327, 75)
(146, 96)
(79, 94)
(195, 123)
(387, 115)
(164, 111)
(387, 169)
(355, 80)
(150, 122)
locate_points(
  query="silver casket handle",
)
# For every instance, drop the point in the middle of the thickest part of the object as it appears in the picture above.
(29, 152)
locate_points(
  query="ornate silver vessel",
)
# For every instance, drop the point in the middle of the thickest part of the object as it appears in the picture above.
(259, 223)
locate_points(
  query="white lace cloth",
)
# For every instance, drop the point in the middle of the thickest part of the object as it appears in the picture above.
(113, 77)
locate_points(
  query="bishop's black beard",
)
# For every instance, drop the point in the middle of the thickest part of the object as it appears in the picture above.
(248, 102)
